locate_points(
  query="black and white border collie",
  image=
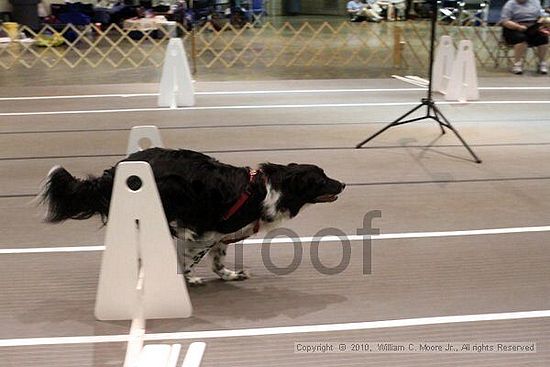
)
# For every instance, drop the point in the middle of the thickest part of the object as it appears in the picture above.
(207, 203)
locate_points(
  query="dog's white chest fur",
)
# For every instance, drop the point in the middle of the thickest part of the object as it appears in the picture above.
(269, 208)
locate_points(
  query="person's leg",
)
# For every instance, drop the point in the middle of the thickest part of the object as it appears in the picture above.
(400, 8)
(408, 8)
(372, 15)
(376, 8)
(518, 41)
(519, 51)
(369, 14)
(540, 41)
(542, 50)
(519, 55)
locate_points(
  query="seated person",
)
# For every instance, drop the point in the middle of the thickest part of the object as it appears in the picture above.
(375, 7)
(359, 12)
(519, 19)
(400, 8)
(395, 9)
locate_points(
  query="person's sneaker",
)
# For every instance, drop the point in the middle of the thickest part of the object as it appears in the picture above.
(517, 68)
(543, 68)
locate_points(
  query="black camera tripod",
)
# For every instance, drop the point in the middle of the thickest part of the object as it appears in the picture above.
(432, 112)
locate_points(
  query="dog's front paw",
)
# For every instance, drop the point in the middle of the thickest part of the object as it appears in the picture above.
(194, 281)
(227, 274)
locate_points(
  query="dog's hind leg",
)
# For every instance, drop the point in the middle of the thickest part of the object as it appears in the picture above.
(217, 255)
(190, 254)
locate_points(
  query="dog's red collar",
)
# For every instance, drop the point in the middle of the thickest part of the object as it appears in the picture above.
(252, 173)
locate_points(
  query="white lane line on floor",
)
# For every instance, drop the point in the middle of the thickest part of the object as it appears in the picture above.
(45, 250)
(274, 106)
(79, 96)
(287, 240)
(217, 93)
(280, 330)
(246, 92)
(514, 88)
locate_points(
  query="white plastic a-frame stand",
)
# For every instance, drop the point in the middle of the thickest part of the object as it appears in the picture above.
(143, 137)
(176, 85)
(139, 277)
(443, 64)
(463, 81)
(138, 242)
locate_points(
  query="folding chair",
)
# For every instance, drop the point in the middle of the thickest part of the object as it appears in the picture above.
(495, 9)
(258, 10)
(449, 11)
(474, 12)
(253, 10)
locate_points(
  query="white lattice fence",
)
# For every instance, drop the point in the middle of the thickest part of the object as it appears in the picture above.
(73, 46)
(385, 46)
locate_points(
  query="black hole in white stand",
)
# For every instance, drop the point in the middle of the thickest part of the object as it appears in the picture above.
(134, 183)
(145, 143)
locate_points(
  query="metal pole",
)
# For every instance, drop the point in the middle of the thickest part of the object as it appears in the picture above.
(432, 46)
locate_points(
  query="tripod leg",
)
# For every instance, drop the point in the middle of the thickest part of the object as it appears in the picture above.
(395, 122)
(449, 126)
(436, 117)
(440, 124)
(441, 127)
(374, 136)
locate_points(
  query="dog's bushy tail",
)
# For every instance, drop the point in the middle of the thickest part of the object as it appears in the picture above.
(68, 197)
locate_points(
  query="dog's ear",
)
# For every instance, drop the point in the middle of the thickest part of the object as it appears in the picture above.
(291, 181)
(298, 182)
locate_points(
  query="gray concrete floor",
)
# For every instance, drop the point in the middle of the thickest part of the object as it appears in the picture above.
(419, 180)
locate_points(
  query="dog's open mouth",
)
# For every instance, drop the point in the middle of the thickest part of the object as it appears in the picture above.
(328, 198)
